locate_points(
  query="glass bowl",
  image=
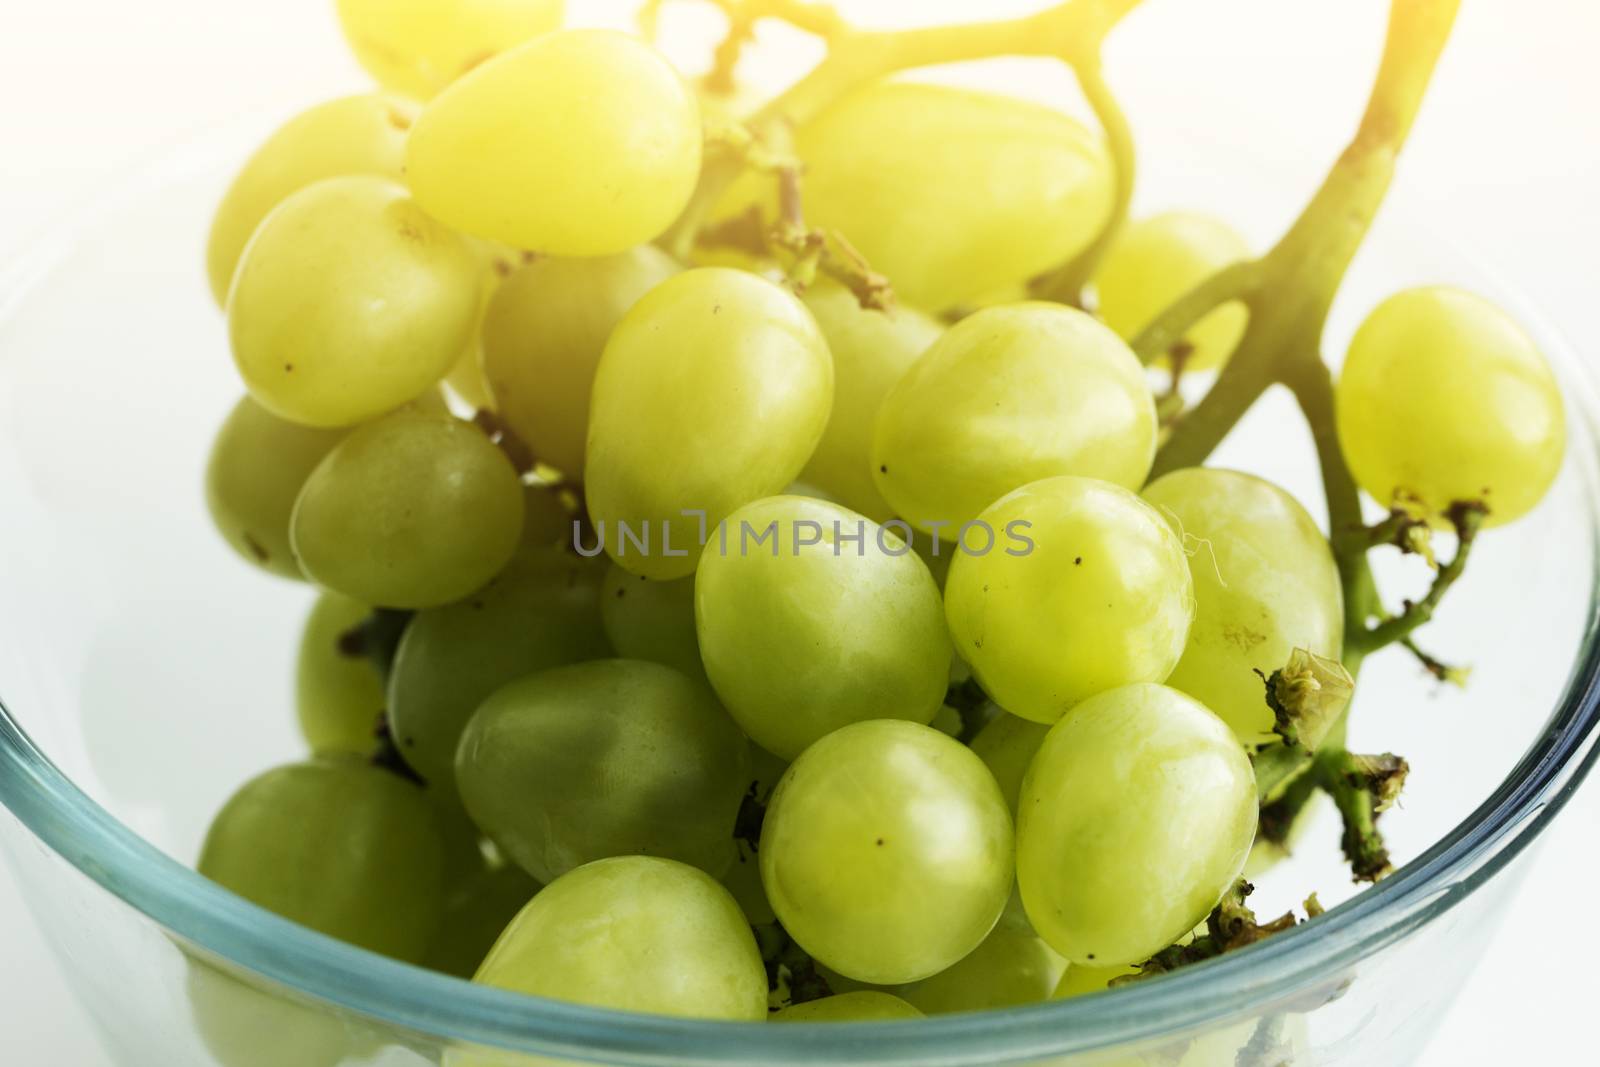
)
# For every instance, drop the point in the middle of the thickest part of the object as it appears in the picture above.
(145, 673)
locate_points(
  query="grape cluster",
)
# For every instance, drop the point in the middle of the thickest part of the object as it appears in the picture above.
(760, 641)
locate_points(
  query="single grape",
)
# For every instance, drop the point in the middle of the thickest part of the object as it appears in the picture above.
(577, 143)
(1012, 967)
(543, 336)
(1444, 399)
(813, 633)
(713, 392)
(743, 877)
(338, 691)
(652, 620)
(636, 933)
(475, 915)
(547, 518)
(1008, 396)
(348, 849)
(466, 377)
(258, 465)
(1099, 596)
(1157, 260)
(1265, 584)
(953, 193)
(1007, 745)
(871, 351)
(864, 1006)
(245, 1025)
(363, 134)
(606, 758)
(1080, 980)
(412, 511)
(1134, 818)
(887, 851)
(350, 302)
(418, 47)
(542, 611)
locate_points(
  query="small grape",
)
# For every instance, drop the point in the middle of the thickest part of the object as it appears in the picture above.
(412, 511)
(475, 915)
(1444, 399)
(859, 1007)
(1101, 599)
(1012, 967)
(606, 758)
(1079, 980)
(652, 620)
(244, 1025)
(814, 634)
(1134, 818)
(1157, 260)
(418, 47)
(1007, 746)
(577, 143)
(338, 692)
(1008, 396)
(887, 851)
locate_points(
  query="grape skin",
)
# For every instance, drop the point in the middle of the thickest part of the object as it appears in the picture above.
(338, 697)
(1134, 818)
(474, 917)
(1265, 584)
(577, 143)
(887, 851)
(1104, 599)
(1008, 396)
(652, 620)
(1444, 398)
(1007, 746)
(858, 1007)
(418, 47)
(1012, 967)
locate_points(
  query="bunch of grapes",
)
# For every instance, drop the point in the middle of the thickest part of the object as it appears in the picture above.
(766, 565)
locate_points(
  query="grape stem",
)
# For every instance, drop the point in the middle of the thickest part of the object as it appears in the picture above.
(1363, 788)
(1468, 518)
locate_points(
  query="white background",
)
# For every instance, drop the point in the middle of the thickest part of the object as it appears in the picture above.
(1508, 150)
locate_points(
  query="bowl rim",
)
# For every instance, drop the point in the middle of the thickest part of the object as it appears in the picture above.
(1279, 972)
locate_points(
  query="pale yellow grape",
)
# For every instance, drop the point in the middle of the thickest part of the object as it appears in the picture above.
(635, 933)
(412, 511)
(350, 302)
(258, 465)
(887, 851)
(466, 378)
(809, 632)
(1157, 260)
(712, 392)
(1102, 599)
(1445, 399)
(1012, 967)
(578, 143)
(651, 620)
(871, 351)
(542, 339)
(953, 193)
(1007, 745)
(1080, 980)
(1008, 396)
(418, 47)
(1135, 817)
(1265, 584)
(863, 1006)
(363, 134)
(338, 692)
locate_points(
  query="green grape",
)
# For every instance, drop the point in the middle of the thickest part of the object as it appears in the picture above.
(814, 633)
(1007, 745)
(578, 143)
(1078, 980)
(1012, 967)
(731, 357)
(1157, 260)
(542, 340)
(1135, 817)
(475, 915)
(418, 47)
(954, 193)
(606, 758)
(1097, 596)
(1008, 396)
(338, 693)
(1444, 399)
(863, 1006)
(636, 933)
(258, 465)
(542, 611)
(350, 302)
(1265, 584)
(743, 878)
(348, 849)
(243, 1025)
(871, 351)
(651, 620)
(947, 721)
(887, 851)
(412, 511)
(546, 518)
(352, 135)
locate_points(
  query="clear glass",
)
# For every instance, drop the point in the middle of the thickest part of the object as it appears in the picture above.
(145, 672)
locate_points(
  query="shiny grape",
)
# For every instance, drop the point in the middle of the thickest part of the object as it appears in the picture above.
(1007, 745)
(418, 47)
